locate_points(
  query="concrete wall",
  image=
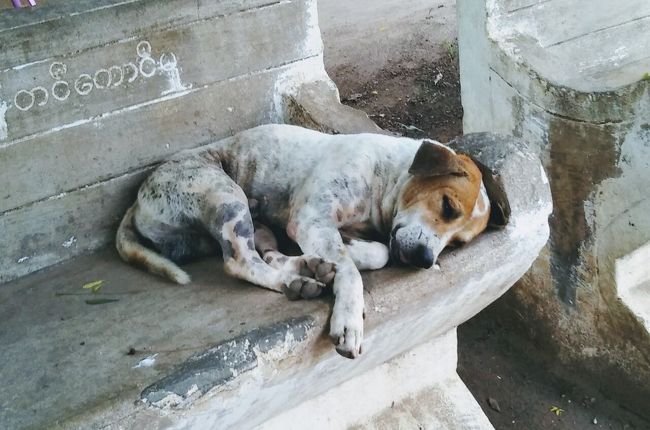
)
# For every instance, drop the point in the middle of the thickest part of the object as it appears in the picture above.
(582, 100)
(93, 93)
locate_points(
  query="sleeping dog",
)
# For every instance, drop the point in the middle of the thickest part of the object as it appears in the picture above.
(328, 192)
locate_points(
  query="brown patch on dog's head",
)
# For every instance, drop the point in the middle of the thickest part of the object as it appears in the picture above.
(444, 202)
(447, 200)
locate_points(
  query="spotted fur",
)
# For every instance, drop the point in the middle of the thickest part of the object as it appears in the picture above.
(314, 186)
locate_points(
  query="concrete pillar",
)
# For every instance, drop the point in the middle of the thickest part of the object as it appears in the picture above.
(573, 81)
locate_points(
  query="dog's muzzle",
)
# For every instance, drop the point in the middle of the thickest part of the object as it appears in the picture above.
(419, 256)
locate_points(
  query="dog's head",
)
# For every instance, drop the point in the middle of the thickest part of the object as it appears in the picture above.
(444, 201)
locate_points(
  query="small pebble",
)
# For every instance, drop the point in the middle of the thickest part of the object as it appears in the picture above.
(594, 421)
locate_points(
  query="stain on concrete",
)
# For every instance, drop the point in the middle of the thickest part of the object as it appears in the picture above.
(227, 360)
(581, 155)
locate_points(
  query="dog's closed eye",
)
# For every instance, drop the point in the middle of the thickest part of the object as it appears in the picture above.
(448, 211)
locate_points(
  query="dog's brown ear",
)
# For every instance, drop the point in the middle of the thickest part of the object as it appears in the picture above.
(500, 206)
(436, 160)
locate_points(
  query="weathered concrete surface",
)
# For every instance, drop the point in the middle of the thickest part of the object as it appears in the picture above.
(406, 392)
(89, 214)
(125, 85)
(572, 81)
(66, 363)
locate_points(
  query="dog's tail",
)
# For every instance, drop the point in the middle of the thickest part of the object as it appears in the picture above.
(131, 251)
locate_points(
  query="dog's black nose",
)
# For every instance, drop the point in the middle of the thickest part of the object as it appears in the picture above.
(422, 257)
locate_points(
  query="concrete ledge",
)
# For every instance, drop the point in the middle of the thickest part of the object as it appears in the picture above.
(71, 364)
(407, 392)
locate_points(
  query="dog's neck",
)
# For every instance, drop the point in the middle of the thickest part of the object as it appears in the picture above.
(385, 199)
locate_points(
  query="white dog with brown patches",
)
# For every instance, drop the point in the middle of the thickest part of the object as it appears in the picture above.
(328, 191)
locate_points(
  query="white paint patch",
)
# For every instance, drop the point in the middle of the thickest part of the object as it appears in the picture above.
(68, 243)
(4, 131)
(633, 282)
(531, 224)
(146, 362)
(308, 70)
(22, 66)
(22, 259)
(312, 43)
(102, 79)
(169, 67)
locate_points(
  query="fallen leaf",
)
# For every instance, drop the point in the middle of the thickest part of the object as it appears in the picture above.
(557, 411)
(494, 404)
(94, 286)
(100, 301)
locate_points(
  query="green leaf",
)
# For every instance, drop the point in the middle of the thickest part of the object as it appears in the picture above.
(94, 286)
(100, 301)
(645, 76)
(557, 411)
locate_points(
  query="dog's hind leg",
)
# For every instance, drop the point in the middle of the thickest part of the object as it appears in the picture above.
(227, 217)
(306, 265)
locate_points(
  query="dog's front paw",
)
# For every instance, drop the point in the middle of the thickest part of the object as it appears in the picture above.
(317, 268)
(346, 331)
(302, 287)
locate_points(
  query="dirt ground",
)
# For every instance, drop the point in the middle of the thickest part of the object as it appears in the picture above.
(403, 72)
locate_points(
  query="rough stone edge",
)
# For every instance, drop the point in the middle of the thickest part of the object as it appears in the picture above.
(225, 361)
(317, 105)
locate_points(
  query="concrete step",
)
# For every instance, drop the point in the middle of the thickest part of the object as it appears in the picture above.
(418, 389)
